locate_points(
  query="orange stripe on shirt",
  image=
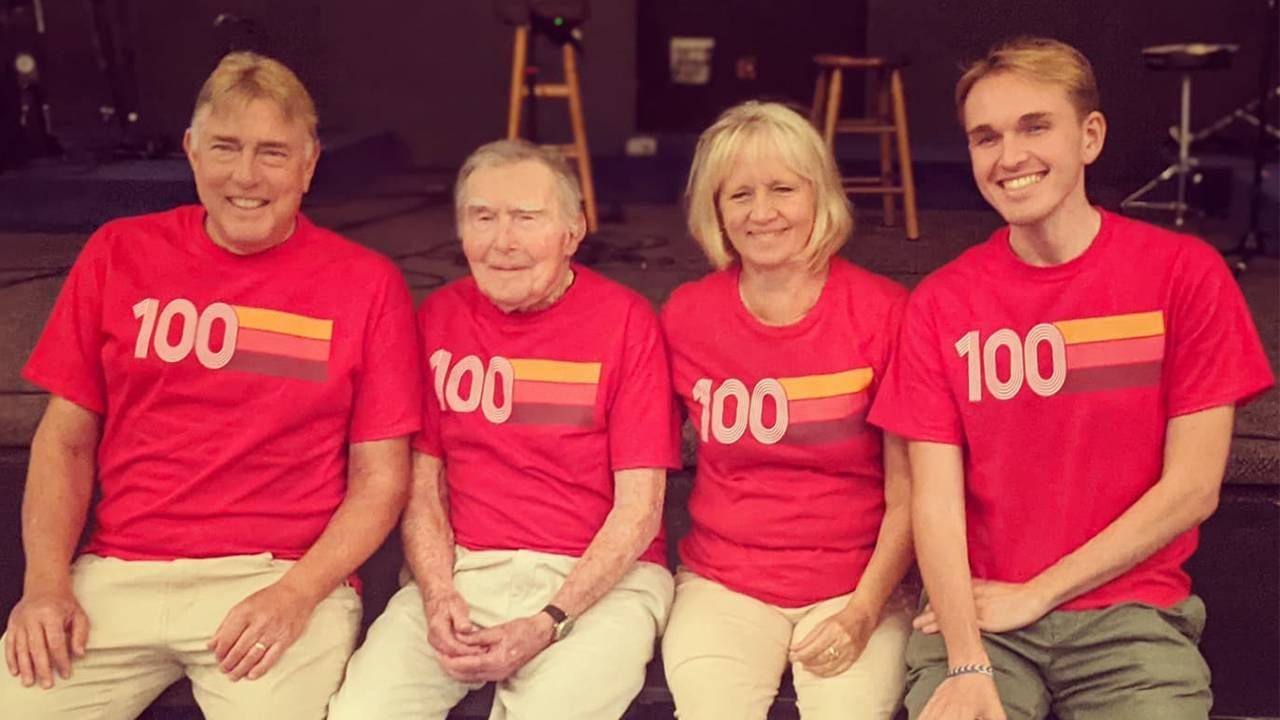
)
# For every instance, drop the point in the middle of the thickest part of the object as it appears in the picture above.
(818, 409)
(828, 385)
(563, 371)
(1112, 327)
(555, 393)
(262, 341)
(282, 322)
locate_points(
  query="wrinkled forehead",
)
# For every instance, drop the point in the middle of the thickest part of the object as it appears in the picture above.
(257, 113)
(526, 185)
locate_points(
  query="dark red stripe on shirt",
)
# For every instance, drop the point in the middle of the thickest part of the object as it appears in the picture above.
(1113, 377)
(547, 414)
(279, 366)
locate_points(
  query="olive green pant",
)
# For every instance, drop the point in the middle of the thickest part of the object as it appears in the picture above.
(1126, 661)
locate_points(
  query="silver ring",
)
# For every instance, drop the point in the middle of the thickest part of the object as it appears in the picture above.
(833, 653)
(260, 646)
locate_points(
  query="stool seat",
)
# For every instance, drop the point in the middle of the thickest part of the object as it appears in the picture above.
(1189, 56)
(849, 62)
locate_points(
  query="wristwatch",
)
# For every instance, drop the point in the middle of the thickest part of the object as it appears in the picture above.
(563, 623)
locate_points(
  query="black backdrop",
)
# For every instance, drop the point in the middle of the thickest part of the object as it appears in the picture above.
(778, 38)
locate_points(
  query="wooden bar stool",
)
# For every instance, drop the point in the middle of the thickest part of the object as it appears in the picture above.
(568, 90)
(888, 120)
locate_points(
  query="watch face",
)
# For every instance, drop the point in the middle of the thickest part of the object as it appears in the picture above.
(563, 627)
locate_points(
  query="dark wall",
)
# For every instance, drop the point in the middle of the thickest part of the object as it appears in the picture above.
(436, 71)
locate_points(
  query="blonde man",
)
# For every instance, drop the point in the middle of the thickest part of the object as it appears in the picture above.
(533, 529)
(1067, 388)
(240, 385)
(800, 529)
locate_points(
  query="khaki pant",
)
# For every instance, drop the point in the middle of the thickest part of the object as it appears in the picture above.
(148, 626)
(592, 674)
(1128, 661)
(725, 653)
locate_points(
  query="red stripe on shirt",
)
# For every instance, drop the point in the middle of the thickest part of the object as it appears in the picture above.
(1115, 352)
(555, 393)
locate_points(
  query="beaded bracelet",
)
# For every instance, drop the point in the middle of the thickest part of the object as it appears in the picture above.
(971, 670)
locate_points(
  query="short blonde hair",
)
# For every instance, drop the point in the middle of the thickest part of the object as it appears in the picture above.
(1035, 58)
(755, 127)
(500, 153)
(244, 77)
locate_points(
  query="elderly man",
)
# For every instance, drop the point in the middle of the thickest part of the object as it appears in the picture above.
(241, 384)
(533, 525)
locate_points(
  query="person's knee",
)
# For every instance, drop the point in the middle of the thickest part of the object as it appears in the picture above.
(34, 701)
(712, 684)
(72, 699)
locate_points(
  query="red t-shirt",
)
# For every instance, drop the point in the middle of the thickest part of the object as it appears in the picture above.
(532, 413)
(230, 386)
(789, 494)
(1059, 383)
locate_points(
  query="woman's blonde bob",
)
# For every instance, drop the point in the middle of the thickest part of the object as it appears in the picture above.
(747, 132)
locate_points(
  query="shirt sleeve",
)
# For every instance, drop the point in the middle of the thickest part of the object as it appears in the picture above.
(1214, 355)
(67, 360)
(644, 429)
(915, 400)
(388, 394)
(427, 439)
(890, 334)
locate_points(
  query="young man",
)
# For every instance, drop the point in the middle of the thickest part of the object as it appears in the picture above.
(240, 385)
(1068, 388)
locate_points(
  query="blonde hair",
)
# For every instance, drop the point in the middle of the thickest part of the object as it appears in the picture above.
(755, 127)
(244, 77)
(1035, 58)
(500, 153)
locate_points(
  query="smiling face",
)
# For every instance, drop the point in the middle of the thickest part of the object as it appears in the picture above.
(768, 211)
(1029, 147)
(251, 166)
(514, 235)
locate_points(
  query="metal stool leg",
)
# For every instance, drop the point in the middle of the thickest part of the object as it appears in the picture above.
(1180, 169)
(1184, 150)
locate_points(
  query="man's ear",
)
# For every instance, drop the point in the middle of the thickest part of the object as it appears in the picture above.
(577, 231)
(1094, 134)
(310, 169)
(189, 144)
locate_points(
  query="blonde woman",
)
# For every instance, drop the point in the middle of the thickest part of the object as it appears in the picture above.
(800, 531)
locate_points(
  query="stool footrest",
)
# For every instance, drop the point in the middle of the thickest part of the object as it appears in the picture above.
(864, 126)
(568, 150)
(556, 91)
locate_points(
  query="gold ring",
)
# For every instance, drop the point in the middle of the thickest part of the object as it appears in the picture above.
(833, 653)
(260, 646)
